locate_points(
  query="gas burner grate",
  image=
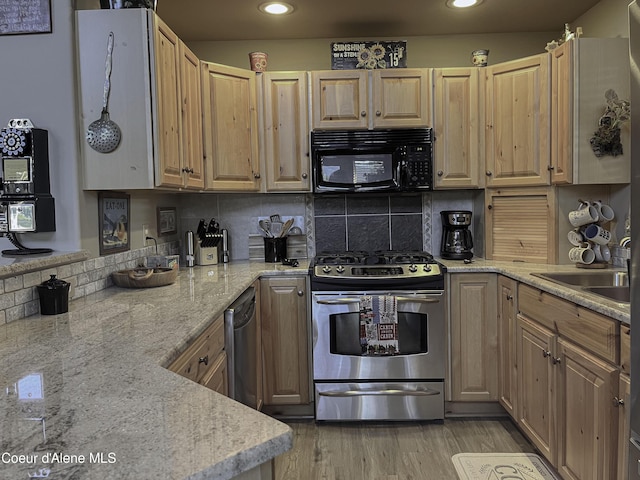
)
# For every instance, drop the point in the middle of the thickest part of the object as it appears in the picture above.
(383, 257)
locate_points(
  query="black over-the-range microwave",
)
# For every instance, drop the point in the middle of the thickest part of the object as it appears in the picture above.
(394, 160)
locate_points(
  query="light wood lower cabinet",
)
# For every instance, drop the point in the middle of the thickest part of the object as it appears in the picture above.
(283, 303)
(205, 360)
(507, 358)
(568, 389)
(624, 425)
(474, 337)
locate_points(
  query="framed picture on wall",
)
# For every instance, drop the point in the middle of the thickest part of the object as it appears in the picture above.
(167, 221)
(25, 16)
(113, 218)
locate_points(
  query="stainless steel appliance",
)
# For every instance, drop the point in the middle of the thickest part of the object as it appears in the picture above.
(241, 334)
(634, 44)
(353, 381)
(457, 242)
(372, 160)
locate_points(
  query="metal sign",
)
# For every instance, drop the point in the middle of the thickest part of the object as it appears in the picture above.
(368, 55)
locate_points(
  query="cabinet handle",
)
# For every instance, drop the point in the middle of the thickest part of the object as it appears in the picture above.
(546, 353)
(300, 293)
(256, 175)
(618, 402)
(509, 297)
(204, 360)
(488, 173)
(489, 206)
(378, 113)
(363, 113)
(551, 167)
(440, 173)
(556, 360)
(304, 175)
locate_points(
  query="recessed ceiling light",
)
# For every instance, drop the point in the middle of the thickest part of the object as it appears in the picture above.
(463, 3)
(276, 8)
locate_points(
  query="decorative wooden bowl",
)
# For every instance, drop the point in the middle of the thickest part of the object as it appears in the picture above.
(145, 277)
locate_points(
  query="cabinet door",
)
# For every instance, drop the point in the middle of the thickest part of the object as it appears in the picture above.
(562, 131)
(191, 110)
(286, 131)
(507, 341)
(474, 348)
(339, 99)
(169, 99)
(508, 237)
(216, 377)
(230, 128)
(457, 121)
(401, 98)
(284, 340)
(536, 413)
(624, 426)
(587, 416)
(518, 122)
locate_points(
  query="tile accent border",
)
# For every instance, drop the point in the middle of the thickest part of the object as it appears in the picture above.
(19, 296)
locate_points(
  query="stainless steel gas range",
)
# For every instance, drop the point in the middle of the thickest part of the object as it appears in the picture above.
(378, 336)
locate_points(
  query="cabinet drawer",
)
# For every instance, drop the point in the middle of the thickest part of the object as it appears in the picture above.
(584, 327)
(625, 349)
(195, 361)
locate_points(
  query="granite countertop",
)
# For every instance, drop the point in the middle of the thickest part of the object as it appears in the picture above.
(91, 384)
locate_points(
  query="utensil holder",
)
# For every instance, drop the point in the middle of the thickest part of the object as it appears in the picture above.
(275, 249)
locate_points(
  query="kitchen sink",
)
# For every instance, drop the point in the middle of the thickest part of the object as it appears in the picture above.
(617, 294)
(588, 278)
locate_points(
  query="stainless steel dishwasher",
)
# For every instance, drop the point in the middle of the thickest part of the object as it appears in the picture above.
(241, 336)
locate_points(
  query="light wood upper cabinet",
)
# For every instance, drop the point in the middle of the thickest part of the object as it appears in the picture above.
(474, 337)
(153, 97)
(284, 131)
(285, 340)
(582, 70)
(343, 99)
(458, 150)
(230, 128)
(507, 342)
(518, 122)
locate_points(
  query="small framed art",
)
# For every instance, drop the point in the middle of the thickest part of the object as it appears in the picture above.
(113, 218)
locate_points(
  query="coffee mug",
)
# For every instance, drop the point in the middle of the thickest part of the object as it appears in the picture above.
(597, 234)
(585, 214)
(575, 237)
(582, 254)
(603, 253)
(605, 212)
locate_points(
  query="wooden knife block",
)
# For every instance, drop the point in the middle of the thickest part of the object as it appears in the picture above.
(206, 255)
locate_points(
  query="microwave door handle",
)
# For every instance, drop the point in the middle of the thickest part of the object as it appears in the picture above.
(418, 299)
(339, 301)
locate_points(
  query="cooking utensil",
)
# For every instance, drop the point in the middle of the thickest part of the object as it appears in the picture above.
(275, 218)
(265, 226)
(103, 135)
(276, 229)
(286, 227)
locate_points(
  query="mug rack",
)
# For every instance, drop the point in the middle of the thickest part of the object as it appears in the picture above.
(606, 222)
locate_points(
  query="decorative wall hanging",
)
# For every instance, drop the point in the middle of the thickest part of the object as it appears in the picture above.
(606, 140)
(368, 55)
(25, 16)
(113, 218)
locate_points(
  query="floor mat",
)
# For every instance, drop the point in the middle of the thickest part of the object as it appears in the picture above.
(494, 466)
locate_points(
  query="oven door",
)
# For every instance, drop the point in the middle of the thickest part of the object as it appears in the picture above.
(337, 354)
(347, 170)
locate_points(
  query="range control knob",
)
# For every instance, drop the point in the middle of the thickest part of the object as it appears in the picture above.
(413, 268)
(326, 269)
(340, 269)
(426, 267)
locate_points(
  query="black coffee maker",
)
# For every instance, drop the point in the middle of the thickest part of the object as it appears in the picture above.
(456, 236)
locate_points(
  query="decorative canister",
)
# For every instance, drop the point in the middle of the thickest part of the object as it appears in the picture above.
(480, 58)
(54, 296)
(258, 61)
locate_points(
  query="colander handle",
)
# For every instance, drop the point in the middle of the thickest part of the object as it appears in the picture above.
(107, 72)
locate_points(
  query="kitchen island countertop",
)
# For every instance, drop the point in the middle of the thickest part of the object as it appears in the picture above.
(85, 394)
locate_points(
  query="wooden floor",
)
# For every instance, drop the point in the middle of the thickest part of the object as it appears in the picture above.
(394, 451)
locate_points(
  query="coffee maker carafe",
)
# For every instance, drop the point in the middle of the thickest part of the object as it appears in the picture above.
(456, 236)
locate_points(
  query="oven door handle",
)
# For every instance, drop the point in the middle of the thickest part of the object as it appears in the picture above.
(348, 300)
(394, 392)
